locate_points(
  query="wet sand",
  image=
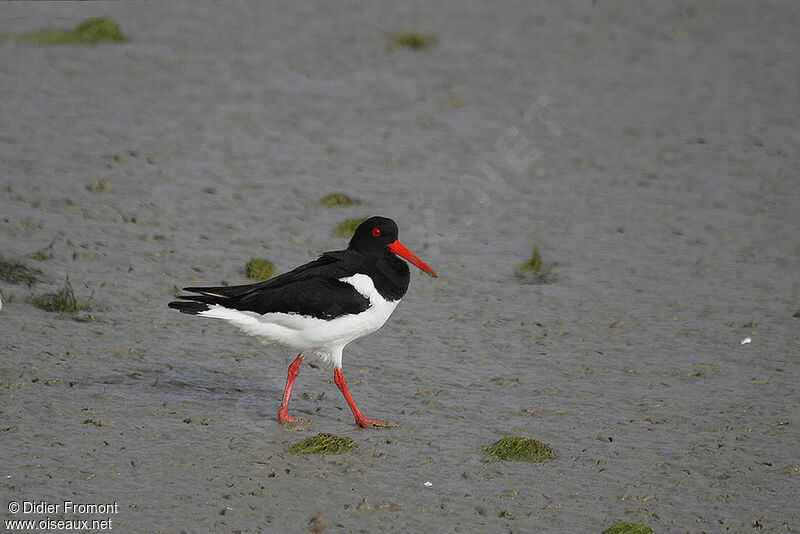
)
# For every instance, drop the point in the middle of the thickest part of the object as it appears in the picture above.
(648, 152)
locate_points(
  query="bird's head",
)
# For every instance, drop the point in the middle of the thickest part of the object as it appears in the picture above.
(379, 235)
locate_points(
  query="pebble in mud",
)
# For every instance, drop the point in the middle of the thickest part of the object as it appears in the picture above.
(414, 39)
(100, 186)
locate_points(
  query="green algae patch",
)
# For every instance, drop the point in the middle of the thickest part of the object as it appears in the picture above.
(414, 39)
(322, 443)
(535, 270)
(93, 31)
(628, 528)
(338, 199)
(64, 301)
(534, 264)
(259, 269)
(99, 30)
(347, 228)
(517, 449)
(15, 272)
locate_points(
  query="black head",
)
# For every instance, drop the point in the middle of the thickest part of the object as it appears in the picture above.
(374, 235)
(378, 235)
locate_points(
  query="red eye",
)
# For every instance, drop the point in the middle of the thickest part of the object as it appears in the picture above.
(376, 232)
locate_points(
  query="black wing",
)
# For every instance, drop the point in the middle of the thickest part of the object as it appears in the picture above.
(312, 289)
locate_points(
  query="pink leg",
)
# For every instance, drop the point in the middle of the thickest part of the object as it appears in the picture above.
(338, 378)
(294, 370)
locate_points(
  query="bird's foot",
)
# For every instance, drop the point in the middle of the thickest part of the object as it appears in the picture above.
(284, 417)
(374, 423)
(288, 420)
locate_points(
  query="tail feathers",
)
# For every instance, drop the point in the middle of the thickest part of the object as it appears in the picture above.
(223, 292)
(190, 307)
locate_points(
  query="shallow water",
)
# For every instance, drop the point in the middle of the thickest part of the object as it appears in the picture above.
(650, 154)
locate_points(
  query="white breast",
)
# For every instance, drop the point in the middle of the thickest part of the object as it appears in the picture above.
(379, 308)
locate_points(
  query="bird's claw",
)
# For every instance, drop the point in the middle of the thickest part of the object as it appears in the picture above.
(288, 420)
(374, 423)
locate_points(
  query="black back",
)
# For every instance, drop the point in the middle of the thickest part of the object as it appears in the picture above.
(314, 289)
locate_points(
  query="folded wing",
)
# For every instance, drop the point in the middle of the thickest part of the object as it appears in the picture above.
(312, 289)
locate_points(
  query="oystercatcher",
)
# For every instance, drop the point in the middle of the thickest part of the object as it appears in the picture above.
(321, 306)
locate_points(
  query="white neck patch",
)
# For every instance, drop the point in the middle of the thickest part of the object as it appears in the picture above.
(364, 285)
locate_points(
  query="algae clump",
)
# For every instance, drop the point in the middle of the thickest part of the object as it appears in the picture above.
(414, 39)
(63, 301)
(322, 443)
(535, 270)
(519, 450)
(628, 528)
(96, 30)
(259, 269)
(15, 272)
(535, 264)
(347, 228)
(338, 199)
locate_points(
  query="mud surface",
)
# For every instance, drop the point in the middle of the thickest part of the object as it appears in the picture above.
(650, 152)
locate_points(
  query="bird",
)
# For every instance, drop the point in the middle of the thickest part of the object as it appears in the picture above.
(321, 306)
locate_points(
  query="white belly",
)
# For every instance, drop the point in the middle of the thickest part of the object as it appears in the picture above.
(324, 337)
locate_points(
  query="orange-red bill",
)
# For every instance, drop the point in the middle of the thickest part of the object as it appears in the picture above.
(398, 248)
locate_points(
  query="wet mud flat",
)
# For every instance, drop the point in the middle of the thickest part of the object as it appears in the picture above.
(647, 156)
